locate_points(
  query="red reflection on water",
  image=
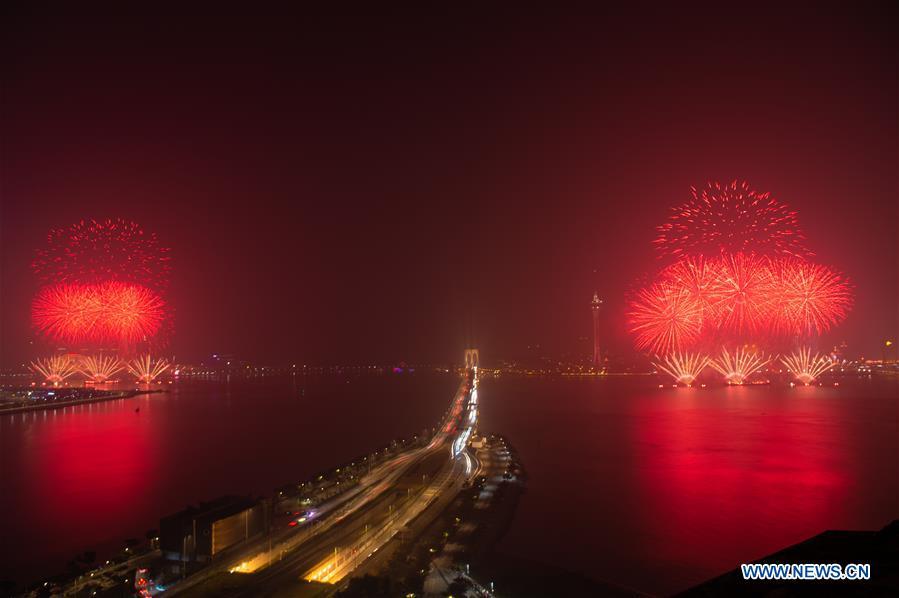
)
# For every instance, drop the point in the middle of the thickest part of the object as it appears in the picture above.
(87, 466)
(723, 480)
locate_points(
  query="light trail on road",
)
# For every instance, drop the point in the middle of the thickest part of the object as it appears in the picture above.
(297, 552)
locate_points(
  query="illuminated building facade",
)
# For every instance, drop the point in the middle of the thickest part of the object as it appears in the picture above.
(199, 533)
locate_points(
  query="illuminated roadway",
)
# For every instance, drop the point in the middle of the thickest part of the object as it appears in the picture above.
(352, 526)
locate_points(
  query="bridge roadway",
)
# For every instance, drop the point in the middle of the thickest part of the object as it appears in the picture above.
(352, 526)
(332, 556)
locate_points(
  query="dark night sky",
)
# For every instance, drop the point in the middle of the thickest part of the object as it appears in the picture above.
(390, 187)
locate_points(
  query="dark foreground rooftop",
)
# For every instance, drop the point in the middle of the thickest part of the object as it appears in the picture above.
(878, 548)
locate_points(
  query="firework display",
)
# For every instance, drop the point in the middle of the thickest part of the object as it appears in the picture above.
(100, 313)
(745, 294)
(665, 317)
(56, 369)
(683, 367)
(806, 367)
(738, 273)
(737, 367)
(746, 298)
(811, 298)
(700, 278)
(731, 218)
(100, 368)
(103, 284)
(97, 369)
(92, 251)
(146, 369)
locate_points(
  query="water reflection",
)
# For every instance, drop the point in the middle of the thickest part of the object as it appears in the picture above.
(725, 474)
(658, 489)
(88, 476)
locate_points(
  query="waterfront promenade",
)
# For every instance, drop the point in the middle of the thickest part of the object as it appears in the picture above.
(21, 400)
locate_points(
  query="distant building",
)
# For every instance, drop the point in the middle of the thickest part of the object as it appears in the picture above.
(199, 533)
(595, 306)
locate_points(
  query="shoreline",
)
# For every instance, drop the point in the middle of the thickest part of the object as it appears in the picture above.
(127, 394)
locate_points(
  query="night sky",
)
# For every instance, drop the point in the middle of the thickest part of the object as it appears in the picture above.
(395, 186)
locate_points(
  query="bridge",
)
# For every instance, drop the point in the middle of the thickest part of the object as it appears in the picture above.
(348, 530)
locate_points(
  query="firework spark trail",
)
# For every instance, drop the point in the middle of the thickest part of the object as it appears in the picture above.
(132, 312)
(100, 368)
(146, 370)
(683, 367)
(91, 252)
(737, 368)
(64, 312)
(109, 311)
(55, 369)
(665, 318)
(701, 278)
(811, 298)
(806, 367)
(731, 219)
(746, 294)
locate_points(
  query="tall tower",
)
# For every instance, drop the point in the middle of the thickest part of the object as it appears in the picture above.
(595, 306)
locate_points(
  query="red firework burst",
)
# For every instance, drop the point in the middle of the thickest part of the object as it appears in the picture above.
(740, 297)
(731, 219)
(746, 295)
(98, 313)
(811, 298)
(92, 252)
(665, 318)
(701, 278)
